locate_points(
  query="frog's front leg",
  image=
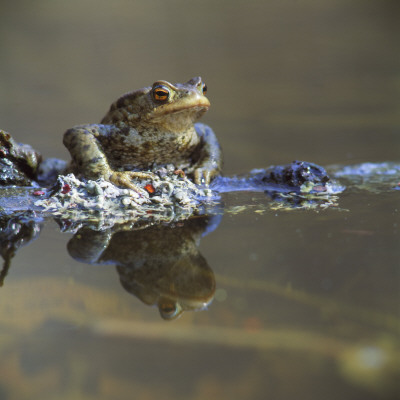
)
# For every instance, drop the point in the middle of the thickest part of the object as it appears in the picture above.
(209, 164)
(89, 158)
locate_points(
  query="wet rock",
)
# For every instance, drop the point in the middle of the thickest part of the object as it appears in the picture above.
(18, 162)
(49, 170)
(295, 174)
(16, 231)
(174, 199)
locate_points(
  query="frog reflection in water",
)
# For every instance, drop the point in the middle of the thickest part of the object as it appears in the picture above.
(161, 265)
(153, 125)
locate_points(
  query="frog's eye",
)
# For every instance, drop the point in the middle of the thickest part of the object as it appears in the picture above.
(160, 93)
(204, 88)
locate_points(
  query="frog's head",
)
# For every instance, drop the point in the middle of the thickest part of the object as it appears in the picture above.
(163, 106)
(169, 309)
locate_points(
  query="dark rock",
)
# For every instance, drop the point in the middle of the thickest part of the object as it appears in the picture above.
(18, 162)
(294, 174)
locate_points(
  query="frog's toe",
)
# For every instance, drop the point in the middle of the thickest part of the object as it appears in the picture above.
(142, 175)
(124, 179)
(202, 176)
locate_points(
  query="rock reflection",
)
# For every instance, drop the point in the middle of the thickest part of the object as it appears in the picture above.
(160, 264)
(16, 232)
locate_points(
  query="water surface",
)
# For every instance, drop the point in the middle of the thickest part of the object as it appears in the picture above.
(300, 303)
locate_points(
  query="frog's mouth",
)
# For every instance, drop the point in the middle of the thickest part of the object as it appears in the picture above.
(201, 105)
(197, 109)
(181, 115)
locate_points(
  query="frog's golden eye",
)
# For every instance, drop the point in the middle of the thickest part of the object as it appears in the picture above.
(204, 88)
(161, 93)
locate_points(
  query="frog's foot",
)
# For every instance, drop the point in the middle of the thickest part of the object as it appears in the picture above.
(124, 178)
(204, 175)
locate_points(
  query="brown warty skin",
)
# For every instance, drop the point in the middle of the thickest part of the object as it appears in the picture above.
(147, 127)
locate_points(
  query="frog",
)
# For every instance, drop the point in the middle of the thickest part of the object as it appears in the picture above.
(152, 126)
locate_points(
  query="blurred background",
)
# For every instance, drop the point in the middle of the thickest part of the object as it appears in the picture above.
(311, 80)
(306, 303)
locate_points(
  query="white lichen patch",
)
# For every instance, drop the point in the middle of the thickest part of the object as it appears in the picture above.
(169, 198)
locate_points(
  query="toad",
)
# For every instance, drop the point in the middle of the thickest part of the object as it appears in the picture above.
(149, 127)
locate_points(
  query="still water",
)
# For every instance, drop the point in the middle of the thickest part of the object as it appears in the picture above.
(274, 303)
